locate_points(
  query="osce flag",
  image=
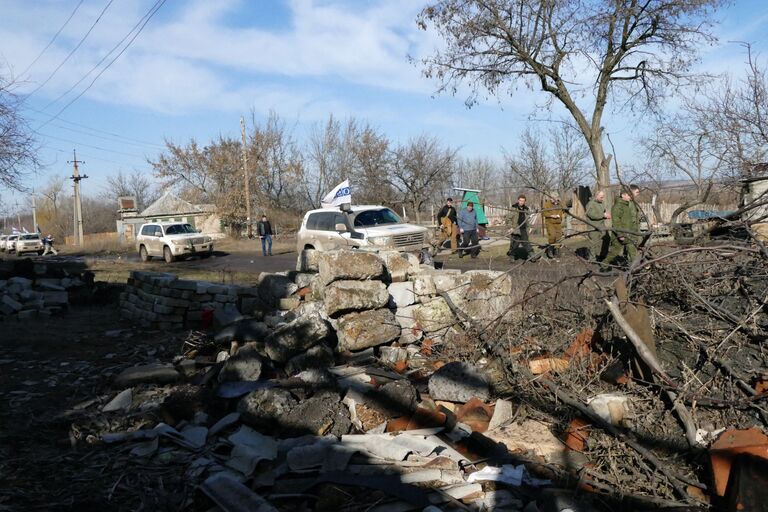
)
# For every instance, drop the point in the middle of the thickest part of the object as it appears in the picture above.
(339, 195)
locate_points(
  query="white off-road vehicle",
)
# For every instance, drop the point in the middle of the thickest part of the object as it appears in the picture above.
(360, 226)
(171, 240)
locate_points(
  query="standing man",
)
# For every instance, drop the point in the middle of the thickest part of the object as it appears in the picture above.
(48, 244)
(596, 213)
(264, 229)
(625, 218)
(519, 246)
(446, 218)
(553, 220)
(468, 229)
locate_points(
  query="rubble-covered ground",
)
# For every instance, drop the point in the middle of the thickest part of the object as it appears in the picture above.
(368, 382)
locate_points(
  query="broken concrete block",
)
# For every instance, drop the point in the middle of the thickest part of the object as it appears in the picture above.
(245, 365)
(308, 261)
(11, 303)
(458, 382)
(424, 287)
(503, 413)
(55, 298)
(611, 407)
(303, 279)
(295, 337)
(401, 294)
(121, 402)
(532, 437)
(433, 315)
(337, 265)
(319, 356)
(346, 296)
(357, 331)
(226, 315)
(396, 264)
(155, 373)
(323, 414)
(264, 407)
(396, 398)
(244, 330)
(273, 287)
(289, 303)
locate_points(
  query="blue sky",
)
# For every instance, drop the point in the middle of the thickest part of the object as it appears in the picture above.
(199, 65)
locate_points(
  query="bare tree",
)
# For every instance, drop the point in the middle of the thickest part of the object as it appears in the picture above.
(18, 150)
(136, 184)
(479, 173)
(569, 155)
(531, 165)
(580, 53)
(420, 170)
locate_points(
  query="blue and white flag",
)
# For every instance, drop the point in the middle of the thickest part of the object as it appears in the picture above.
(340, 194)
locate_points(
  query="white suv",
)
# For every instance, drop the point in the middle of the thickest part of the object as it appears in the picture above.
(171, 240)
(28, 242)
(370, 226)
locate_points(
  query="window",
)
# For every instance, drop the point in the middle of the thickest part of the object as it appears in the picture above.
(376, 217)
(148, 230)
(34, 236)
(179, 229)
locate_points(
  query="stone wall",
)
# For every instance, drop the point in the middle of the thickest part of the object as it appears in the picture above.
(366, 299)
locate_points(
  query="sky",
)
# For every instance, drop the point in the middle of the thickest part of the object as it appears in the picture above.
(198, 65)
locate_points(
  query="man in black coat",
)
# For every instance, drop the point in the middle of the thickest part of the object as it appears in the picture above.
(264, 228)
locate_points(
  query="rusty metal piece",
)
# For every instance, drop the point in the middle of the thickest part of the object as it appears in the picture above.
(728, 446)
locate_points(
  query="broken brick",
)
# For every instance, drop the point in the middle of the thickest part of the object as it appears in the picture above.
(728, 446)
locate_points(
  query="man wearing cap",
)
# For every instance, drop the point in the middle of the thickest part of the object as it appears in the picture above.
(468, 229)
(446, 219)
(625, 218)
(553, 220)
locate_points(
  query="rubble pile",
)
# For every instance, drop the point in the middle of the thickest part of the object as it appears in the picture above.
(25, 299)
(365, 381)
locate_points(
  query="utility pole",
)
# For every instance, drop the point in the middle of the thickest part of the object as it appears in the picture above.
(34, 214)
(246, 176)
(18, 216)
(78, 206)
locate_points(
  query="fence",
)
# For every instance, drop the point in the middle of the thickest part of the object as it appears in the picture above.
(95, 239)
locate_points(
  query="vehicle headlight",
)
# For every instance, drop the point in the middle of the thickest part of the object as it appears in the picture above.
(179, 242)
(207, 239)
(379, 240)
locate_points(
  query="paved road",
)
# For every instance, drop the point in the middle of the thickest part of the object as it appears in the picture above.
(256, 263)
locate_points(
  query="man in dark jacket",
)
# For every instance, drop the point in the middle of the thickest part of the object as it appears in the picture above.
(519, 246)
(468, 229)
(446, 220)
(264, 229)
(597, 214)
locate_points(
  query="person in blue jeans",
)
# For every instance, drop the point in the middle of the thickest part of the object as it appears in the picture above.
(264, 229)
(468, 229)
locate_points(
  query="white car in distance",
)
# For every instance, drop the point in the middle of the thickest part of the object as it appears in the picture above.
(172, 240)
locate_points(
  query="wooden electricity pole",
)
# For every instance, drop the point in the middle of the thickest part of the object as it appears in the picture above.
(246, 177)
(78, 206)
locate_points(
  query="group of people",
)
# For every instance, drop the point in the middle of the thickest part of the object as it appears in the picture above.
(462, 225)
(519, 222)
(606, 246)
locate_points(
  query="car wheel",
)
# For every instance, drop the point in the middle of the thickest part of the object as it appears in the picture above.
(143, 254)
(168, 255)
(207, 253)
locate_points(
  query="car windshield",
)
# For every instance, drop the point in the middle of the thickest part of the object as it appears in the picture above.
(34, 236)
(376, 217)
(179, 229)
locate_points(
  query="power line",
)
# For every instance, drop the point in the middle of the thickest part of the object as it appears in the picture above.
(98, 148)
(135, 144)
(104, 57)
(107, 66)
(96, 130)
(72, 52)
(52, 39)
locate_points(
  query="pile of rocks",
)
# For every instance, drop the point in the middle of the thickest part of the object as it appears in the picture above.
(24, 299)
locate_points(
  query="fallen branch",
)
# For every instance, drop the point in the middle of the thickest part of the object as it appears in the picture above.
(642, 350)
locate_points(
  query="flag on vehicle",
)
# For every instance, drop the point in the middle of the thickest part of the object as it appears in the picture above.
(340, 194)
